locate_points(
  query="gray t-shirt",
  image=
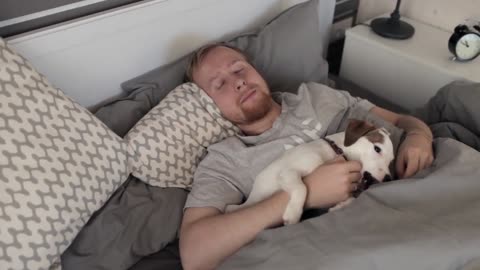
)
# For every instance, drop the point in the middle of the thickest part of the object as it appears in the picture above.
(226, 174)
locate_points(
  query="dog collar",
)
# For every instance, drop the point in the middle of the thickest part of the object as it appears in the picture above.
(335, 147)
(364, 183)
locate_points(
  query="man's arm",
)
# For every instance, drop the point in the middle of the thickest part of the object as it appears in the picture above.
(207, 236)
(409, 123)
(416, 152)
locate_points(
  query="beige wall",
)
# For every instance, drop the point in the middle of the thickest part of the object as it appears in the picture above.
(445, 14)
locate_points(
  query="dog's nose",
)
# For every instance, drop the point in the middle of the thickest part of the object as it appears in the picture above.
(387, 178)
(369, 180)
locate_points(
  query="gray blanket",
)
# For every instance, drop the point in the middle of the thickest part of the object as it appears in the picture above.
(453, 113)
(431, 221)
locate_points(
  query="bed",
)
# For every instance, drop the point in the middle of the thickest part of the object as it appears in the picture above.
(100, 206)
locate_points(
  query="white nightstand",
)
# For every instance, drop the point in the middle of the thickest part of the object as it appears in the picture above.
(405, 72)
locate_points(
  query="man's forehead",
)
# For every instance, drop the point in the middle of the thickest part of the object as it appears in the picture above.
(215, 60)
(222, 56)
(220, 59)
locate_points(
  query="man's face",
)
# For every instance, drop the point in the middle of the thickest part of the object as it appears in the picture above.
(240, 93)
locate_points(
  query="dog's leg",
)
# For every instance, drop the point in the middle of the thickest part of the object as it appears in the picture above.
(291, 182)
(263, 187)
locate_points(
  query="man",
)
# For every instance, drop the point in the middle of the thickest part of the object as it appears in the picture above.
(269, 126)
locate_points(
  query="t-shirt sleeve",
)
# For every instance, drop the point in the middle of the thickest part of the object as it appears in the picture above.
(212, 184)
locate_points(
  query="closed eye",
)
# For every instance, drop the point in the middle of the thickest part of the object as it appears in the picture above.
(377, 149)
(219, 84)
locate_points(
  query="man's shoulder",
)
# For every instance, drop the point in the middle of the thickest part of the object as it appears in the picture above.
(314, 89)
(229, 143)
(225, 150)
(309, 91)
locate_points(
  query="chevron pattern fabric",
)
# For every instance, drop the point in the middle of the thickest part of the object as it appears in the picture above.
(58, 164)
(166, 145)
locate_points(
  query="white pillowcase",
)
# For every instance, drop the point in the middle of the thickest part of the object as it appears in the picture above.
(166, 145)
(58, 164)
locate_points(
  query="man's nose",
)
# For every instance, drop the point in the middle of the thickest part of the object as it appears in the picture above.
(240, 84)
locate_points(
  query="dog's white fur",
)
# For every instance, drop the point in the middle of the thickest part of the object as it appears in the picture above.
(286, 172)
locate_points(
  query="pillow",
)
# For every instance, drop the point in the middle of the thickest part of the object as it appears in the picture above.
(166, 145)
(58, 165)
(122, 114)
(136, 221)
(288, 50)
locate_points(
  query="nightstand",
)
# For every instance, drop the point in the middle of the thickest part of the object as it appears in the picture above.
(405, 72)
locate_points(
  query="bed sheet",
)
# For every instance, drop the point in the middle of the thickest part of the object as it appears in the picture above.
(436, 211)
(431, 221)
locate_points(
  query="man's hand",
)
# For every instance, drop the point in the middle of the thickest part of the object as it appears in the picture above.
(416, 151)
(414, 154)
(332, 182)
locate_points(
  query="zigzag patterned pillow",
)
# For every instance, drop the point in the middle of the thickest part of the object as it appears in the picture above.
(167, 143)
(58, 164)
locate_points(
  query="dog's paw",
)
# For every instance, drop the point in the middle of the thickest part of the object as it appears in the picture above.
(232, 207)
(291, 216)
(341, 205)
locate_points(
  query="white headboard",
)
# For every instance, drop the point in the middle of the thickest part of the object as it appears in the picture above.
(89, 58)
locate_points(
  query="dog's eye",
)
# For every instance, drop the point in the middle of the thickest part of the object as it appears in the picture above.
(377, 149)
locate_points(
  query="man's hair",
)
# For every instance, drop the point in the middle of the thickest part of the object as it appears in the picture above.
(200, 53)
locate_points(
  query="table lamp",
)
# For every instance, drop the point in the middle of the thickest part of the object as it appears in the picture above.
(393, 27)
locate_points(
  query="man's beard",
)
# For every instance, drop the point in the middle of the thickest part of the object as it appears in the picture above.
(258, 110)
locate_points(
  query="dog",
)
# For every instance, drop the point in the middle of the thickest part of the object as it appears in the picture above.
(361, 141)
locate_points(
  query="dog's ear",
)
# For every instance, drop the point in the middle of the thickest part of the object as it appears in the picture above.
(355, 130)
(386, 131)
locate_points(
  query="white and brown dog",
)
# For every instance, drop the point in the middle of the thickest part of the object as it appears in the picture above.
(361, 141)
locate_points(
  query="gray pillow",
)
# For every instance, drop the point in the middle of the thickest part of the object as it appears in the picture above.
(121, 114)
(137, 220)
(288, 50)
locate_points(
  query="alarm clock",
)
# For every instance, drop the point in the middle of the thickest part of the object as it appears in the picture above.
(464, 43)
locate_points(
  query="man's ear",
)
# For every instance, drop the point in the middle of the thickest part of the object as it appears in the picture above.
(356, 129)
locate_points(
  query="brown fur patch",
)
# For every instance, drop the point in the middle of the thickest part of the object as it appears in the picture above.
(355, 130)
(375, 136)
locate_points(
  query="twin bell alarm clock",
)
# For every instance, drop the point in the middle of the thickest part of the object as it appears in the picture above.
(465, 43)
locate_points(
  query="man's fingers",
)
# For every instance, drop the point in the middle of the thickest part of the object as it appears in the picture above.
(337, 159)
(400, 165)
(412, 166)
(354, 166)
(422, 162)
(430, 160)
(425, 161)
(352, 187)
(354, 177)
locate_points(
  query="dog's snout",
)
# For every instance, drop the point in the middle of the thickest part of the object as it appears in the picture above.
(387, 178)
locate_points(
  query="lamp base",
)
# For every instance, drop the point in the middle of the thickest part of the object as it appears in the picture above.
(391, 28)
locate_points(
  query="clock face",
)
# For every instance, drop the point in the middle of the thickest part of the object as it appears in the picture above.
(468, 46)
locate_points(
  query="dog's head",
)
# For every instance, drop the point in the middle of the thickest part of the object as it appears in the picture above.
(372, 147)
